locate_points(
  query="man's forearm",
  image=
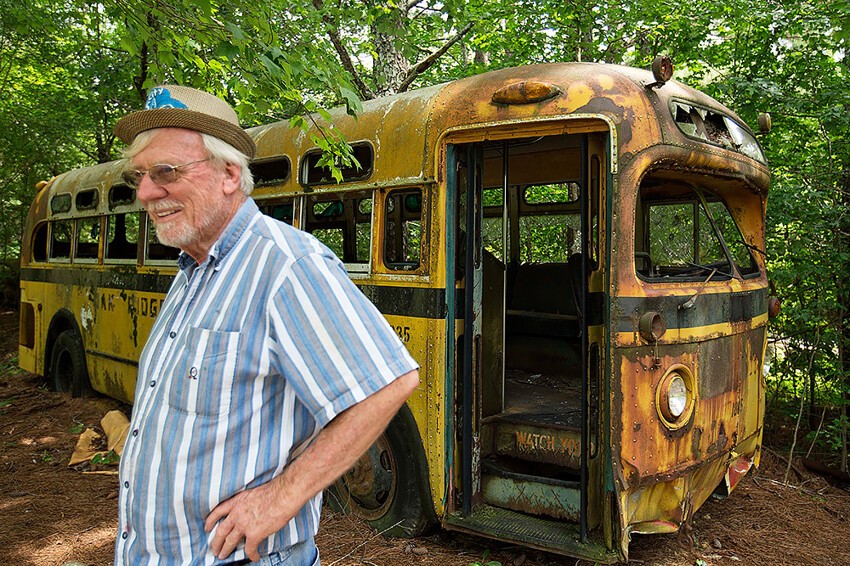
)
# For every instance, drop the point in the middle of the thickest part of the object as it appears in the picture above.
(341, 443)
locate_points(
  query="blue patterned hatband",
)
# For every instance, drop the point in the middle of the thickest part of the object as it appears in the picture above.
(161, 98)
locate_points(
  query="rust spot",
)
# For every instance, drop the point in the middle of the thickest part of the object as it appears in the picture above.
(696, 441)
(721, 442)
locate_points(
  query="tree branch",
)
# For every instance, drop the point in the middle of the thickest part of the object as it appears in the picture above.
(344, 57)
(426, 63)
(405, 7)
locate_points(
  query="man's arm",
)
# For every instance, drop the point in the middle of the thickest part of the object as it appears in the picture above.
(256, 513)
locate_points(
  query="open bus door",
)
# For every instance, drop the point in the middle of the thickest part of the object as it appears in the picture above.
(519, 365)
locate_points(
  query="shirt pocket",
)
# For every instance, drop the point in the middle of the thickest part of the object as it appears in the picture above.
(204, 370)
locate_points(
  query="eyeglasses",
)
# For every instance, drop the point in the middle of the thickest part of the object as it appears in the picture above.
(160, 173)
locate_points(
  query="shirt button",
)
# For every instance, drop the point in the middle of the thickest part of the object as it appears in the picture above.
(136, 432)
(124, 535)
(172, 334)
(126, 484)
(153, 383)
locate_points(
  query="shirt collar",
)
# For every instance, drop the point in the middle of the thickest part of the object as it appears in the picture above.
(227, 241)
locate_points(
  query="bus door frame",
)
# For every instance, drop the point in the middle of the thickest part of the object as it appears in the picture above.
(466, 350)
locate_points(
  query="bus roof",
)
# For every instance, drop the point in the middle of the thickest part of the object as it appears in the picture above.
(403, 129)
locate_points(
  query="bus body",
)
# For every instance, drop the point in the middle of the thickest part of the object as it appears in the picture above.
(574, 253)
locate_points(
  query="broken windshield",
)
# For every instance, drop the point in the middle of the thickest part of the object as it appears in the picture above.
(712, 126)
(686, 232)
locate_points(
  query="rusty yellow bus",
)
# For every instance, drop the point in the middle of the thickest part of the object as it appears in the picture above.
(574, 253)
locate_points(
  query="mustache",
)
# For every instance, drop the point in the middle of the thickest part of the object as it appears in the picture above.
(163, 205)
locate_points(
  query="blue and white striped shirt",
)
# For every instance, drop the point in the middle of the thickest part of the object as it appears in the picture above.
(252, 353)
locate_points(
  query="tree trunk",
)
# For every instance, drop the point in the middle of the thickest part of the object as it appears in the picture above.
(390, 65)
(844, 304)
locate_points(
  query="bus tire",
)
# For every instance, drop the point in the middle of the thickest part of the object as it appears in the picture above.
(68, 373)
(388, 485)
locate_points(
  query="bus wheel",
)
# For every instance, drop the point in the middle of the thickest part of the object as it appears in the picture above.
(386, 486)
(68, 372)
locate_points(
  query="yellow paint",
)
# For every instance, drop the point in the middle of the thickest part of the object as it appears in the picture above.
(692, 334)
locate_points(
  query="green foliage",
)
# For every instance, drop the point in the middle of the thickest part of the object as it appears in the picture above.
(106, 459)
(484, 561)
(77, 427)
(6, 402)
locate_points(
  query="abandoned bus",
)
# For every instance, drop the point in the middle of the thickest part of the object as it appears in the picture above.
(574, 253)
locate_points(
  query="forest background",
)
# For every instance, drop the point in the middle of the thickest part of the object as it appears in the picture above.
(69, 70)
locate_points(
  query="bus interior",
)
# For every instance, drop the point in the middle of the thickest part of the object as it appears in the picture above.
(537, 199)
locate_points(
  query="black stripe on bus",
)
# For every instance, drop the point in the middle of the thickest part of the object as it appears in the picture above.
(114, 278)
(426, 302)
(707, 309)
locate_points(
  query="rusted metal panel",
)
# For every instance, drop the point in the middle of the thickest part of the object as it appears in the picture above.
(538, 444)
(550, 499)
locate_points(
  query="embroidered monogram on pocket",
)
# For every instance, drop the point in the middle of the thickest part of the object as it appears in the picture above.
(204, 380)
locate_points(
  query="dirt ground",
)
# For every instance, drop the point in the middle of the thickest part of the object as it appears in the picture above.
(51, 514)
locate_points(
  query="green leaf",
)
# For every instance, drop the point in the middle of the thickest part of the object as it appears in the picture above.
(205, 6)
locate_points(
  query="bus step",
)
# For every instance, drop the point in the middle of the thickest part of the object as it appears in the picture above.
(537, 495)
(545, 534)
(535, 442)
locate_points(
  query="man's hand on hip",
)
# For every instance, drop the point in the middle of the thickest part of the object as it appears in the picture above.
(250, 515)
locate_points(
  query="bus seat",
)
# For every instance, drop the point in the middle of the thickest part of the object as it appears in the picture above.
(542, 301)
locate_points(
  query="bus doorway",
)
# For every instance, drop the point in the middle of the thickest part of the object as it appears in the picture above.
(527, 395)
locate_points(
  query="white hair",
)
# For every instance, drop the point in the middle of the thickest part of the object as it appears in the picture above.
(220, 151)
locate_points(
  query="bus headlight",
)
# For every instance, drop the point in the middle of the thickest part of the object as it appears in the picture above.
(675, 397)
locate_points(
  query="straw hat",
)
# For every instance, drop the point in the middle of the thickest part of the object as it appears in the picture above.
(172, 106)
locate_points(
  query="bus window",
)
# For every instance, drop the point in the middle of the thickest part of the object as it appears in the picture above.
(681, 236)
(121, 195)
(344, 224)
(491, 227)
(272, 171)
(686, 233)
(60, 240)
(550, 224)
(282, 211)
(364, 229)
(741, 255)
(314, 173)
(39, 242)
(88, 235)
(60, 203)
(156, 252)
(122, 236)
(326, 221)
(403, 229)
(87, 199)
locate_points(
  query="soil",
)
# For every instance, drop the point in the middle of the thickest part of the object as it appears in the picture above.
(51, 514)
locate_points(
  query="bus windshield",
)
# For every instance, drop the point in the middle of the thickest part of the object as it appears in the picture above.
(684, 231)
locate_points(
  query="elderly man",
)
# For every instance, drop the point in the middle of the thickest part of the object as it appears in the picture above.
(266, 374)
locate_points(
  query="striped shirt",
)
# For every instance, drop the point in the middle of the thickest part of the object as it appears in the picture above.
(252, 353)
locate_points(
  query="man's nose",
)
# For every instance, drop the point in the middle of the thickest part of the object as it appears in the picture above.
(148, 190)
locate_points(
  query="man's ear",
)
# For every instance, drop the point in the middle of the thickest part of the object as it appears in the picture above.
(232, 178)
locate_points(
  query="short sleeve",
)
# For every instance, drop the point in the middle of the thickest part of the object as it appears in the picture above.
(331, 343)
